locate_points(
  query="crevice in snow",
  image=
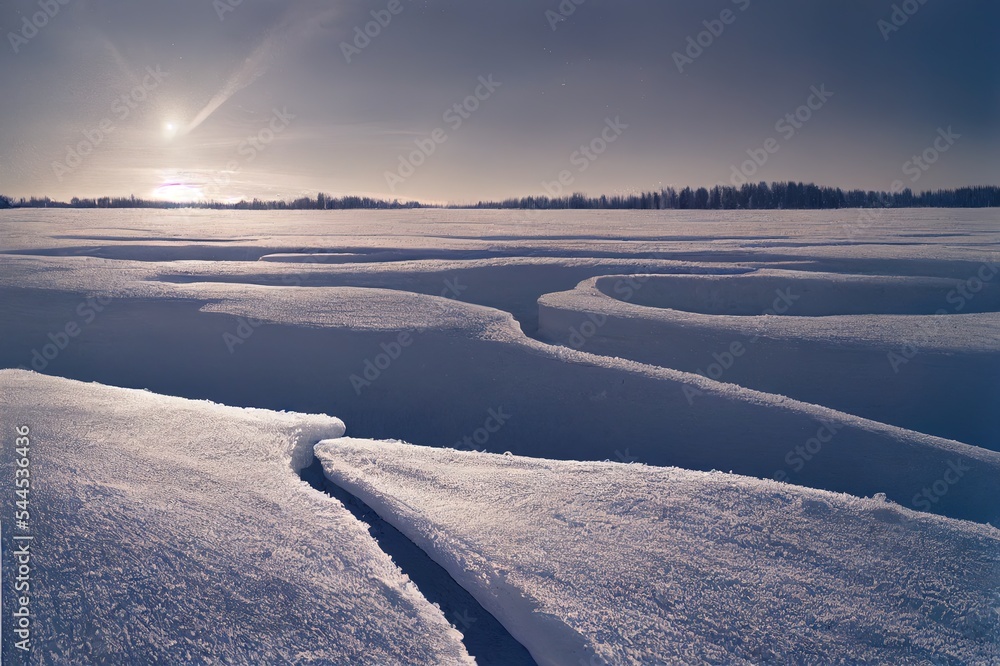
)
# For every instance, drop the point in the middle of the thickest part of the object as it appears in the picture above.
(330, 355)
(485, 638)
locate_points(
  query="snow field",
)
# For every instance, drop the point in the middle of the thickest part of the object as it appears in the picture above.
(180, 531)
(894, 350)
(169, 530)
(328, 355)
(629, 564)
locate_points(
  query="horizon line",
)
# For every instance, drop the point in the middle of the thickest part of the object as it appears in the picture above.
(565, 199)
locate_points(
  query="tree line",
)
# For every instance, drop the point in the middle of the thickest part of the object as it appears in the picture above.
(749, 196)
(322, 201)
(759, 196)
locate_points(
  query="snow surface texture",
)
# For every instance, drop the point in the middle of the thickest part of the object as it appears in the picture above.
(318, 347)
(608, 563)
(174, 531)
(424, 326)
(904, 350)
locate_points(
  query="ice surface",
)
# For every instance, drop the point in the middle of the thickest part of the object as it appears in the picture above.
(612, 563)
(174, 531)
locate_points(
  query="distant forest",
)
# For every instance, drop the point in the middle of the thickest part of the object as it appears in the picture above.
(322, 201)
(759, 196)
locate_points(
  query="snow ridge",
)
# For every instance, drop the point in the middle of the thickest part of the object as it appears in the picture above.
(661, 565)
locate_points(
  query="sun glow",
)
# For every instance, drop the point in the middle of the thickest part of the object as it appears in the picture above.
(178, 192)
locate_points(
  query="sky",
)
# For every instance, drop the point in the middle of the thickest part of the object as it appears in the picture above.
(226, 99)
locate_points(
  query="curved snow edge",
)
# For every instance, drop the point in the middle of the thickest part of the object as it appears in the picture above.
(305, 430)
(549, 640)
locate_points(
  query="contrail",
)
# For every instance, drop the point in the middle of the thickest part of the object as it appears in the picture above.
(291, 29)
(253, 67)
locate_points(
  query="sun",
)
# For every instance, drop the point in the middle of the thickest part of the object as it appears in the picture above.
(170, 129)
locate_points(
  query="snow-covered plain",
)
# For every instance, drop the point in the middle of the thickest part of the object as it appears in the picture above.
(913, 350)
(512, 332)
(629, 564)
(172, 531)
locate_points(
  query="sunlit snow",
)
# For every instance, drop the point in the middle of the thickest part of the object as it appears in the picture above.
(731, 437)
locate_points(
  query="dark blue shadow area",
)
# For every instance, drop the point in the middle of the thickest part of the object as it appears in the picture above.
(485, 638)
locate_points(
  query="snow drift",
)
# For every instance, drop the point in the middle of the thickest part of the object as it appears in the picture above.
(610, 563)
(913, 352)
(337, 350)
(173, 531)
